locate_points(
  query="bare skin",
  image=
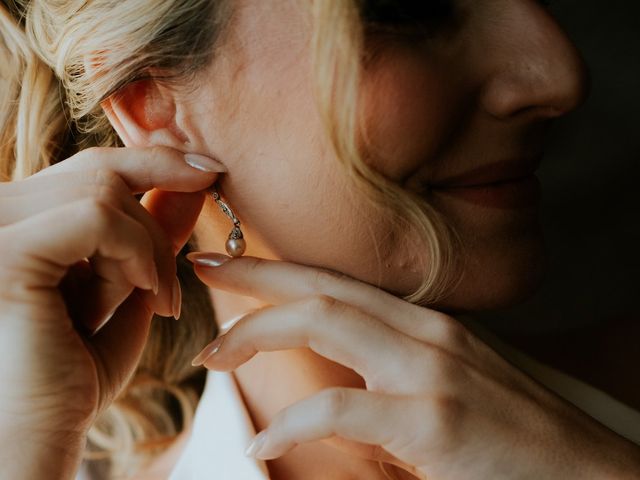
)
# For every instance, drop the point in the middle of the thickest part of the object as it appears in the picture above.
(444, 113)
(536, 76)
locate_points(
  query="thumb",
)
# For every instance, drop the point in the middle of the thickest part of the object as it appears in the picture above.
(176, 212)
(118, 346)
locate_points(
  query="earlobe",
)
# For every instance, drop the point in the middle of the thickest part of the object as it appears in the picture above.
(143, 115)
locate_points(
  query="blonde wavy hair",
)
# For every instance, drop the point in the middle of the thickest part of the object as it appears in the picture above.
(50, 109)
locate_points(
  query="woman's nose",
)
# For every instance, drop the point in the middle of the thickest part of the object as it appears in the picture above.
(536, 69)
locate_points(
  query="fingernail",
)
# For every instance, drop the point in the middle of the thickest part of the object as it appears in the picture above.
(208, 259)
(102, 324)
(204, 164)
(256, 444)
(226, 326)
(177, 298)
(155, 282)
(207, 352)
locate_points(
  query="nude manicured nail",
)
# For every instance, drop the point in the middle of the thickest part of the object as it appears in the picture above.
(257, 443)
(177, 298)
(205, 164)
(207, 352)
(102, 324)
(155, 282)
(208, 259)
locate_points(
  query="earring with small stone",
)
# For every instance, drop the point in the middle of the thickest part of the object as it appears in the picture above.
(235, 244)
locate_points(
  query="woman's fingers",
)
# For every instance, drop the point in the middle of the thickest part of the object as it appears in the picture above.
(116, 194)
(278, 282)
(119, 344)
(111, 176)
(176, 214)
(71, 233)
(100, 295)
(340, 411)
(333, 329)
(346, 413)
(141, 168)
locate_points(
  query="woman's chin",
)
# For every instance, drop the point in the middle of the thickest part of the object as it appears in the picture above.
(508, 281)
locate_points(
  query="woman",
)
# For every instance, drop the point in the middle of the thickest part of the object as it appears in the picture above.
(380, 156)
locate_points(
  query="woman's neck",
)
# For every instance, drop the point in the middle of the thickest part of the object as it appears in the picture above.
(271, 381)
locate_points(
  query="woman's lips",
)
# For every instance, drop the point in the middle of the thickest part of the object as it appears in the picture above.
(507, 184)
(522, 192)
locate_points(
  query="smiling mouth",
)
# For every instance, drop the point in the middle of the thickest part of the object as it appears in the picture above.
(515, 193)
(504, 185)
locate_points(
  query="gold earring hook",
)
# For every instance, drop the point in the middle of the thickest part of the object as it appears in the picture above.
(235, 244)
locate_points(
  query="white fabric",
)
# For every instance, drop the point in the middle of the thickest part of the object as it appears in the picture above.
(222, 430)
(83, 473)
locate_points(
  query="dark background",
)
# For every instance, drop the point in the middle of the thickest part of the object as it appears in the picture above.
(591, 183)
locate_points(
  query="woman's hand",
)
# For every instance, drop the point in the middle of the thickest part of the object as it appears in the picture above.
(78, 250)
(438, 402)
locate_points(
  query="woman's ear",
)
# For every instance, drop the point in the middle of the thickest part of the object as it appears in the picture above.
(144, 114)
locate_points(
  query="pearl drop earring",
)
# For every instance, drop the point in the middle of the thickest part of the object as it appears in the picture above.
(235, 244)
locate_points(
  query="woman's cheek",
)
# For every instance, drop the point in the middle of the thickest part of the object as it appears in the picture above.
(411, 108)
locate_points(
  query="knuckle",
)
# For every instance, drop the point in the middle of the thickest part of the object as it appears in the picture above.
(106, 194)
(96, 210)
(108, 177)
(334, 401)
(322, 279)
(160, 154)
(449, 412)
(322, 304)
(19, 273)
(448, 407)
(253, 265)
(9, 278)
(446, 415)
(449, 331)
(160, 151)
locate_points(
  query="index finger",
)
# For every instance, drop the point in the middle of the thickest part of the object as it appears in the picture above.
(277, 282)
(141, 168)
